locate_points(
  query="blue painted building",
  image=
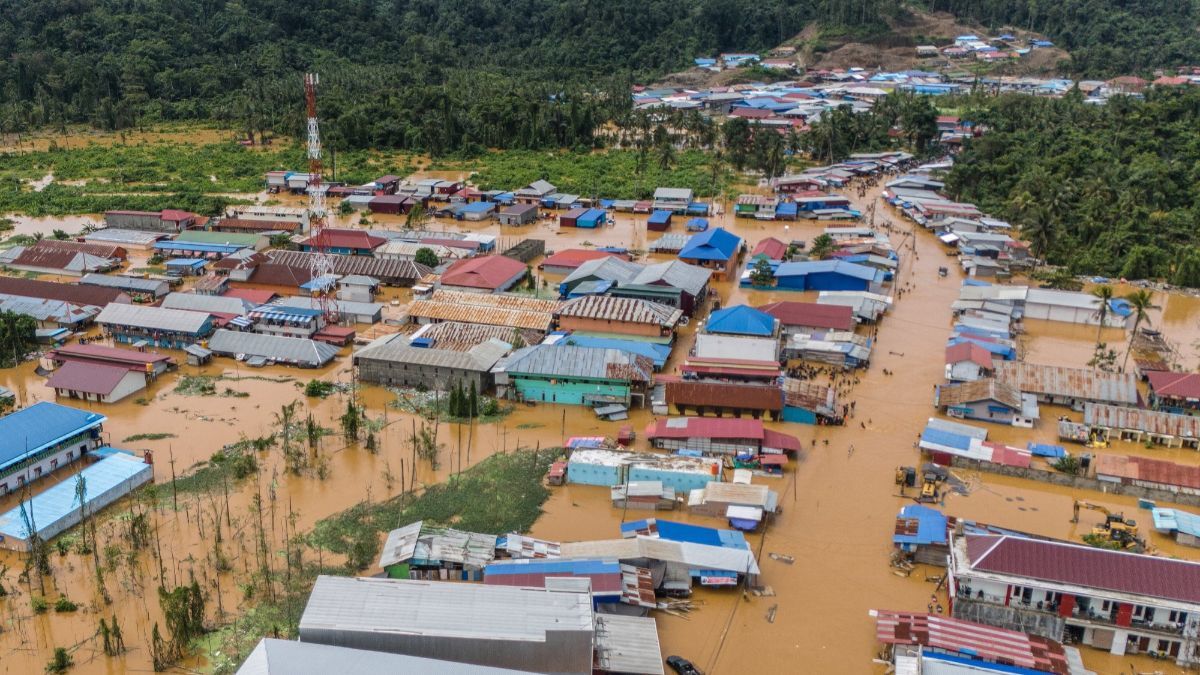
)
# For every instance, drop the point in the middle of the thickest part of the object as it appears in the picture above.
(683, 532)
(196, 249)
(592, 218)
(44, 437)
(606, 468)
(826, 275)
(918, 526)
(742, 320)
(155, 326)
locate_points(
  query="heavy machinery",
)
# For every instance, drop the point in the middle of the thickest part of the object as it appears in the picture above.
(906, 477)
(1115, 528)
(931, 477)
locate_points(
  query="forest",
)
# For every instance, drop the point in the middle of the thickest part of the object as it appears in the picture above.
(1105, 190)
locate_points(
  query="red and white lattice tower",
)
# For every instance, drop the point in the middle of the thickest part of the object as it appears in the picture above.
(320, 263)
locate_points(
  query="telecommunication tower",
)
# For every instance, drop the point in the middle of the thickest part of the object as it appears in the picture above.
(320, 262)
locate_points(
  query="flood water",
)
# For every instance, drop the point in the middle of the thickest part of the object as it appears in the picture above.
(838, 506)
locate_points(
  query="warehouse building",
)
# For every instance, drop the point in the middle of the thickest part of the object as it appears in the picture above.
(258, 349)
(395, 361)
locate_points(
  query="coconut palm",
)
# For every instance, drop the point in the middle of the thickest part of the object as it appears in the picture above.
(1103, 293)
(1141, 302)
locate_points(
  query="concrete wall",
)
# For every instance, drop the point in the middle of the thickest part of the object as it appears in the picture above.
(1079, 482)
(717, 346)
(398, 374)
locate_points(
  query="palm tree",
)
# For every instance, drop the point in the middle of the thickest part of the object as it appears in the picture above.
(1104, 293)
(1141, 302)
(822, 246)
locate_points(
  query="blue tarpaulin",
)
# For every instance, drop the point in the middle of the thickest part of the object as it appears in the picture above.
(1046, 450)
(697, 224)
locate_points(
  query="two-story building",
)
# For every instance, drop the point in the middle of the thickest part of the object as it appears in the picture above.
(42, 438)
(155, 326)
(1122, 602)
(297, 322)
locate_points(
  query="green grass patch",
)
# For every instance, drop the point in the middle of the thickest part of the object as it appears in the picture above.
(148, 437)
(226, 466)
(196, 385)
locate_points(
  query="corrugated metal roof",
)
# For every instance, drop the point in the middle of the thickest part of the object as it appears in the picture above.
(47, 310)
(479, 358)
(741, 320)
(695, 556)
(91, 378)
(219, 304)
(400, 545)
(299, 351)
(841, 267)
(1075, 383)
(986, 389)
(811, 314)
(715, 244)
(1174, 385)
(342, 307)
(125, 283)
(973, 640)
(1147, 470)
(723, 394)
(289, 657)
(155, 318)
(706, 427)
(628, 644)
(625, 310)
(389, 270)
(122, 237)
(583, 362)
(442, 609)
(41, 425)
(1150, 421)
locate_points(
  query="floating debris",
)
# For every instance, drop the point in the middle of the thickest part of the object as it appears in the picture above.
(786, 559)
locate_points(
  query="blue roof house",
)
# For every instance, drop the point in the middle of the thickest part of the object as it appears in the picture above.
(742, 320)
(42, 438)
(827, 275)
(917, 526)
(592, 218)
(717, 249)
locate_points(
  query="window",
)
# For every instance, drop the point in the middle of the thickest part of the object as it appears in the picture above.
(53, 464)
(1106, 605)
(1177, 616)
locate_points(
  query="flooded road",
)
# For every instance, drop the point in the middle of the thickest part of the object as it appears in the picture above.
(838, 507)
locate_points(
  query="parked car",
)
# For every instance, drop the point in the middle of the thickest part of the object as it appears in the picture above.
(682, 666)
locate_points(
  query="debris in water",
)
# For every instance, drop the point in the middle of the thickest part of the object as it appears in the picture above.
(771, 613)
(762, 592)
(786, 559)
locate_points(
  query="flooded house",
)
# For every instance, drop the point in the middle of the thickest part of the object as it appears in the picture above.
(113, 475)
(255, 226)
(1146, 472)
(50, 315)
(43, 438)
(528, 629)
(394, 272)
(717, 250)
(294, 214)
(499, 309)
(398, 361)
(535, 192)
(170, 221)
(968, 362)
(921, 535)
(273, 656)
(607, 316)
(867, 307)
(1139, 425)
(827, 275)
(42, 260)
(1183, 526)
(518, 214)
(574, 375)
(987, 400)
(344, 242)
(809, 317)
(420, 551)
(601, 577)
(96, 382)
(606, 468)
(842, 350)
(807, 402)
(1074, 307)
(1072, 387)
(705, 397)
(743, 505)
(1174, 392)
(255, 241)
(484, 274)
(567, 261)
(149, 363)
(720, 436)
(261, 349)
(345, 311)
(197, 249)
(672, 283)
(152, 289)
(1121, 602)
(155, 326)
(919, 642)
(649, 495)
(296, 322)
(675, 200)
(140, 240)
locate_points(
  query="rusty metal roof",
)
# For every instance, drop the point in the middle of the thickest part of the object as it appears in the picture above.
(1149, 421)
(1075, 383)
(582, 362)
(624, 310)
(724, 394)
(980, 390)
(488, 309)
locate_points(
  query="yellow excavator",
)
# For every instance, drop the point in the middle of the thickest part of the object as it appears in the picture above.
(1115, 528)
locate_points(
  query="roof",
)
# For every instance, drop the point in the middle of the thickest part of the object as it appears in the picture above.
(100, 250)
(298, 351)
(672, 193)
(438, 609)
(257, 225)
(537, 188)
(1085, 566)
(1174, 385)
(918, 524)
(39, 426)
(695, 556)
(1076, 383)
(627, 644)
(841, 267)
(251, 295)
(291, 657)
(574, 257)
(1147, 470)
(125, 283)
(68, 261)
(342, 307)
(608, 268)
(384, 269)
(658, 353)
(479, 358)
(706, 427)
(1174, 520)
(811, 314)
(770, 247)
(741, 320)
(218, 304)
(231, 238)
(581, 362)
(715, 244)
(49, 509)
(987, 389)
(340, 238)
(48, 310)
(975, 641)
(624, 310)
(119, 236)
(496, 309)
(98, 352)
(723, 394)
(155, 318)
(50, 290)
(969, 351)
(676, 274)
(1151, 421)
(91, 378)
(489, 272)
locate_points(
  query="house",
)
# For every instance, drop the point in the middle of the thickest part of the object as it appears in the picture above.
(608, 468)
(155, 326)
(42, 438)
(920, 534)
(987, 400)
(1149, 473)
(1109, 422)
(808, 402)
(659, 221)
(140, 240)
(571, 218)
(110, 251)
(675, 200)
(519, 214)
(197, 249)
(485, 625)
(273, 656)
(567, 261)
(77, 296)
(261, 349)
(734, 501)
(608, 316)
(395, 361)
(282, 320)
(534, 193)
(1174, 392)
(96, 382)
(673, 283)
(148, 363)
(357, 288)
(1121, 602)
(810, 317)
(742, 320)
(716, 249)
(54, 261)
(1071, 387)
(168, 220)
(718, 560)
(720, 436)
(602, 576)
(719, 397)
(738, 334)
(152, 289)
(418, 551)
(573, 375)
(255, 226)
(769, 249)
(52, 315)
(185, 267)
(255, 241)
(1184, 526)
(476, 211)
(1072, 307)
(344, 242)
(827, 275)
(484, 274)
(345, 311)
(592, 219)
(499, 309)
(967, 362)
(295, 214)
(394, 272)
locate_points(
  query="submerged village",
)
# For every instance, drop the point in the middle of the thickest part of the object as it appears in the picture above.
(839, 422)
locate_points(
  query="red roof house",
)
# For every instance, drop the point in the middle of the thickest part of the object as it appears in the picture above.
(805, 315)
(99, 382)
(771, 248)
(724, 435)
(1174, 390)
(349, 242)
(974, 641)
(487, 274)
(564, 262)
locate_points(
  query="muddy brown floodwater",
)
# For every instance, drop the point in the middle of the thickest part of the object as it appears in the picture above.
(838, 507)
